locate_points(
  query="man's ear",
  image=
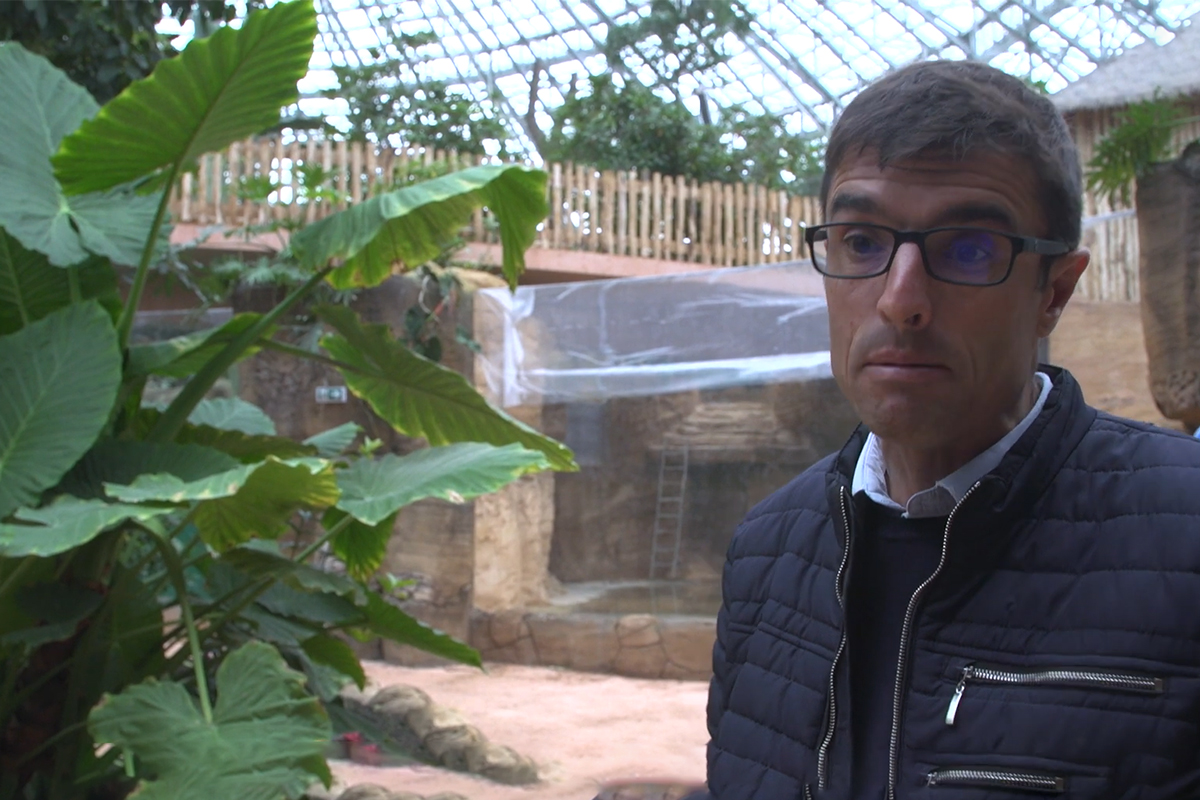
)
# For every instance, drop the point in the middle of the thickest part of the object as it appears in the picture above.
(1061, 279)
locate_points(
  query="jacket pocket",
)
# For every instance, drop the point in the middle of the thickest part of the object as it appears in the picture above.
(1075, 677)
(983, 781)
(997, 778)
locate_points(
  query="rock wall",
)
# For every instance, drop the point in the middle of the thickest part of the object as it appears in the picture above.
(743, 444)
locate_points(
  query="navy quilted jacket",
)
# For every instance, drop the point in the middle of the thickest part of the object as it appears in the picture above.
(1055, 651)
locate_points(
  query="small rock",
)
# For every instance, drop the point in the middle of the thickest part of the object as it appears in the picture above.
(399, 700)
(405, 796)
(455, 747)
(433, 717)
(317, 792)
(365, 791)
(446, 796)
(502, 764)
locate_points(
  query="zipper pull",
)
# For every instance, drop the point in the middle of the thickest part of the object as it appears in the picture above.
(951, 712)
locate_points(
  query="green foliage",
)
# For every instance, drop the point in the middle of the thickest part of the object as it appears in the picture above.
(1140, 139)
(41, 217)
(58, 382)
(219, 90)
(392, 98)
(139, 567)
(678, 38)
(420, 398)
(266, 732)
(100, 44)
(631, 127)
(412, 224)
(373, 490)
(625, 125)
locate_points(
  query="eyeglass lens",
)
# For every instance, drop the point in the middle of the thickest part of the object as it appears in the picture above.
(961, 255)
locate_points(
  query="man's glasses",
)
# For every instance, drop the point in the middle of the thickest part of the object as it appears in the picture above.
(965, 256)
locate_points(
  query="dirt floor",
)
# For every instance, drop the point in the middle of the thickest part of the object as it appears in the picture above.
(1102, 345)
(585, 731)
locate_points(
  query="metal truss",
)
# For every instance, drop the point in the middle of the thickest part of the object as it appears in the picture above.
(804, 59)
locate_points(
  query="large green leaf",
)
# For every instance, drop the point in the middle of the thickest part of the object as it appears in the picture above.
(232, 414)
(182, 356)
(220, 89)
(414, 224)
(236, 505)
(68, 523)
(263, 559)
(30, 288)
(373, 489)
(58, 382)
(47, 612)
(121, 461)
(335, 441)
(263, 506)
(421, 398)
(241, 446)
(390, 622)
(361, 547)
(265, 739)
(333, 652)
(41, 106)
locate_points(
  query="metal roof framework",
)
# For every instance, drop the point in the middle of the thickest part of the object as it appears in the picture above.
(803, 59)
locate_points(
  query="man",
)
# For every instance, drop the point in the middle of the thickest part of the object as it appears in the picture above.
(993, 590)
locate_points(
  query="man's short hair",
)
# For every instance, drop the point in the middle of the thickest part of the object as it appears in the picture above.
(954, 109)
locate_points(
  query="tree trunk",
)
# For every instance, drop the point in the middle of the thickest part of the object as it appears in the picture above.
(1168, 215)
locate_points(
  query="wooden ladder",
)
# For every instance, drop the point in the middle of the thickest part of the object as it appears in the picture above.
(668, 513)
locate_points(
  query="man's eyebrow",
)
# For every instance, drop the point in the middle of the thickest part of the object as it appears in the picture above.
(849, 201)
(978, 212)
(964, 214)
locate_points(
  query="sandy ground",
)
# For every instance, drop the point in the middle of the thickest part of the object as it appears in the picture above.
(1102, 345)
(583, 730)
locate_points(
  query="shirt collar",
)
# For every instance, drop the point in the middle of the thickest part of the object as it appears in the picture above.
(870, 473)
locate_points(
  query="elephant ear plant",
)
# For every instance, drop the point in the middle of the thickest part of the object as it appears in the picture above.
(154, 636)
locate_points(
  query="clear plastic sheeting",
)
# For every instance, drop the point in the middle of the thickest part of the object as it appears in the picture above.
(632, 337)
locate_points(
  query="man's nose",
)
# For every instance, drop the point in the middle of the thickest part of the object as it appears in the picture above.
(905, 301)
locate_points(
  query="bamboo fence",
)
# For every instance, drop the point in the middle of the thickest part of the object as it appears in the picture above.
(618, 212)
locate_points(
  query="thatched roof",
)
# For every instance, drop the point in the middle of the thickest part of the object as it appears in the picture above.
(1172, 69)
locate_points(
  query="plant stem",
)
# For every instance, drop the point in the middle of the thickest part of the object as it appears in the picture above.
(173, 419)
(338, 527)
(73, 284)
(300, 352)
(175, 568)
(125, 321)
(17, 572)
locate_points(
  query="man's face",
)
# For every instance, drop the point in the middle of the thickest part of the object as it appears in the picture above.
(928, 364)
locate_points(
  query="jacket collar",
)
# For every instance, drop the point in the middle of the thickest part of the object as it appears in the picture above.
(1026, 469)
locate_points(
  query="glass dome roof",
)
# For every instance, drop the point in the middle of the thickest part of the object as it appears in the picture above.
(802, 59)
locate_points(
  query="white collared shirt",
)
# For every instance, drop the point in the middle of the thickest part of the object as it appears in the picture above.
(870, 474)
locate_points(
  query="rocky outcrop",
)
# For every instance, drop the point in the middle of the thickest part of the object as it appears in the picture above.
(637, 645)
(439, 735)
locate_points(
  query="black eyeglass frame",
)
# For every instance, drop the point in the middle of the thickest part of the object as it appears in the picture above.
(1021, 244)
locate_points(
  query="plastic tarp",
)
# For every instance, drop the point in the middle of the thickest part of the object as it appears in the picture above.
(626, 337)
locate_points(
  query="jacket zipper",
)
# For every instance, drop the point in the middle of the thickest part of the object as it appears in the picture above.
(1101, 679)
(823, 750)
(905, 633)
(1002, 778)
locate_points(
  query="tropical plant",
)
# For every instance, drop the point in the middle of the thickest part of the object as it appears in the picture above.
(1142, 137)
(154, 635)
(100, 44)
(391, 96)
(615, 121)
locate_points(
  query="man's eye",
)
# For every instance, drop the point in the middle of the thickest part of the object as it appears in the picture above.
(860, 244)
